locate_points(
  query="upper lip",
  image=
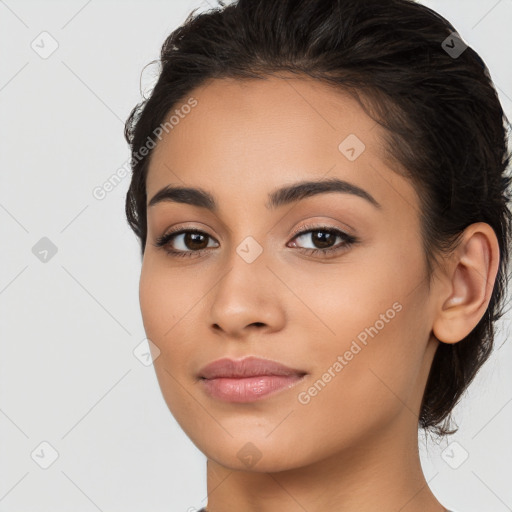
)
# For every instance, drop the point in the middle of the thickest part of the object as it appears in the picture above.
(248, 367)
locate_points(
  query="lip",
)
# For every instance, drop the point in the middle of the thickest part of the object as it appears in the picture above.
(248, 379)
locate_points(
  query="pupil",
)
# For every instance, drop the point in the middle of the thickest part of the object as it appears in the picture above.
(192, 238)
(323, 239)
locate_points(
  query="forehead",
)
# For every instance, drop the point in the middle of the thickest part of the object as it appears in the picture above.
(258, 134)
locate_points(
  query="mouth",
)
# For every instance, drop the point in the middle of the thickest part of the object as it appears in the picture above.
(247, 380)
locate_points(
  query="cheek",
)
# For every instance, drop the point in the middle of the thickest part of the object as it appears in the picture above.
(164, 300)
(373, 333)
(374, 381)
(169, 301)
(162, 307)
(152, 302)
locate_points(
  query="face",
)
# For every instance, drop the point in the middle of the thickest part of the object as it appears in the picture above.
(330, 284)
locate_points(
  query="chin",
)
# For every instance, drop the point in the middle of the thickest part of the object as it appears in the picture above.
(257, 453)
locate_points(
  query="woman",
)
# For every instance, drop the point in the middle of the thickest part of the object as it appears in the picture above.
(320, 194)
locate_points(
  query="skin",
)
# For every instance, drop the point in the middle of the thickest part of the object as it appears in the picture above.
(354, 446)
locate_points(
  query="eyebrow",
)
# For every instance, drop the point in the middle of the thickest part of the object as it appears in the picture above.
(279, 197)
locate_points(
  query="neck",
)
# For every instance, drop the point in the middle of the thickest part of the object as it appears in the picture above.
(381, 473)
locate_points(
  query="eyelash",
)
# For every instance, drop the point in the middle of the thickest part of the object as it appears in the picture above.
(348, 240)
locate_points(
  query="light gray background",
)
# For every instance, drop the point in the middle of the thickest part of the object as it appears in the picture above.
(68, 374)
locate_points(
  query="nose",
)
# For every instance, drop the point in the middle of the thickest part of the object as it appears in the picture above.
(247, 298)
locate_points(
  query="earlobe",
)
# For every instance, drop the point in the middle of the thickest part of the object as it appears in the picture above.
(470, 276)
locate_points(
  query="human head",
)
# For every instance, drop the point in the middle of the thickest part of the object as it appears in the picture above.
(443, 125)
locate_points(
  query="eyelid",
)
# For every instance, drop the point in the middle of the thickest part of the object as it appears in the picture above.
(300, 230)
(348, 239)
(179, 228)
(320, 225)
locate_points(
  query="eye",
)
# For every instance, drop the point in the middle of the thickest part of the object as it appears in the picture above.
(323, 239)
(193, 242)
(190, 242)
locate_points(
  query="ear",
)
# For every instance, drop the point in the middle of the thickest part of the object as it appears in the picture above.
(468, 281)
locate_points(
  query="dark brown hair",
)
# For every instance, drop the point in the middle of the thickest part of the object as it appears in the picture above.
(445, 128)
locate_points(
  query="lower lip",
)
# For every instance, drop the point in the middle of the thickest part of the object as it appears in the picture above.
(248, 389)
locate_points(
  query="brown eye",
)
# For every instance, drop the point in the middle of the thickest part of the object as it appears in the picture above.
(184, 242)
(192, 242)
(323, 240)
(195, 241)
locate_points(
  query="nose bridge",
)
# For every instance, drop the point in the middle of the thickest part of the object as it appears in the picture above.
(245, 269)
(249, 250)
(249, 240)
